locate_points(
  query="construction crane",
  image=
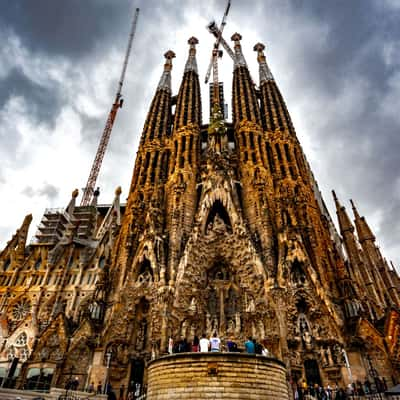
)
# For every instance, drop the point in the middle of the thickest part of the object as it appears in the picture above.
(217, 53)
(89, 189)
(213, 28)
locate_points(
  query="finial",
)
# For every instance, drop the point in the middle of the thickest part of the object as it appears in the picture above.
(169, 55)
(236, 37)
(337, 203)
(239, 58)
(265, 72)
(355, 212)
(193, 41)
(118, 191)
(165, 81)
(75, 193)
(191, 64)
(352, 204)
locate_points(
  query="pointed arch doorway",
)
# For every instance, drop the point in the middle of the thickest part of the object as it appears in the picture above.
(311, 370)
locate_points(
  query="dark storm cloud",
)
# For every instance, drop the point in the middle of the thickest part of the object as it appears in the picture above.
(358, 142)
(43, 103)
(63, 28)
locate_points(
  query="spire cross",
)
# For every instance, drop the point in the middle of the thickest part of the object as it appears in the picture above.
(239, 58)
(265, 72)
(165, 81)
(169, 55)
(191, 64)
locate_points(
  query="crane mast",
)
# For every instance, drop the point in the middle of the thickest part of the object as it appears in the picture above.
(215, 54)
(89, 189)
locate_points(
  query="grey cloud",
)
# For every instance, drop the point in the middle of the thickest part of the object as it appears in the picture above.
(47, 190)
(43, 103)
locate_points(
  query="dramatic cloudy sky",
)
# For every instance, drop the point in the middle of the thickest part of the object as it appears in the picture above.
(337, 64)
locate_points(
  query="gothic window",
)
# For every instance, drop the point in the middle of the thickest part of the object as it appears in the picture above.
(190, 149)
(287, 153)
(243, 139)
(252, 140)
(298, 275)
(38, 264)
(154, 167)
(218, 214)
(21, 309)
(303, 324)
(278, 152)
(270, 157)
(102, 262)
(6, 265)
(145, 274)
(21, 340)
(292, 173)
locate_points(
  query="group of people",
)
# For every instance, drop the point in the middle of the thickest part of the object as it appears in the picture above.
(338, 393)
(214, 344)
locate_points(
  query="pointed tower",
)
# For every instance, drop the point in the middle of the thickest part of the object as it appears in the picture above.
(360, 272)
(256, 186)
(376, 264)
(145, 205)
(297, 215)
(184, 149)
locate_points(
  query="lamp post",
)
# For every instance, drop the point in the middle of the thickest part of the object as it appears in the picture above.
(108, 361)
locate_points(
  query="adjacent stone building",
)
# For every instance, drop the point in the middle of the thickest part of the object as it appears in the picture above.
(224, 230)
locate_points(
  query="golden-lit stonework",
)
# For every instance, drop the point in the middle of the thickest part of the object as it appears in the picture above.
(224, 230)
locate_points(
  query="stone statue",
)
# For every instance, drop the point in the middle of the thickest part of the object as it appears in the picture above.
(307, 340)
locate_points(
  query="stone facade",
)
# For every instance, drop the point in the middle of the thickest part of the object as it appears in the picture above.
(216, 376)
(224, 230)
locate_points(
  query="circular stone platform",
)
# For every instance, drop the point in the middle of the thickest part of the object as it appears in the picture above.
(216, 376)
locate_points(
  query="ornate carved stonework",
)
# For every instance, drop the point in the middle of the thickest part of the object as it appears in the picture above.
(224, 231)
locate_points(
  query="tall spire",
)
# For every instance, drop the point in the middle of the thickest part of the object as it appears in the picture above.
(188, 103)
(165, 81)
(244, 98)
(345, 224)
(239, 58)
(191, 63)
(150, 162)
(274, 113)
(363, 230)
(265, 72)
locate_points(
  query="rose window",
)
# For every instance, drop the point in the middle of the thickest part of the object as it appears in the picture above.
(21, 309)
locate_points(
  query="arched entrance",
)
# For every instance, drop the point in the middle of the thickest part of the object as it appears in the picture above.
(312, 372)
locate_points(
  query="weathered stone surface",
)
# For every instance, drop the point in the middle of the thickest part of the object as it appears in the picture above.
(216, 375)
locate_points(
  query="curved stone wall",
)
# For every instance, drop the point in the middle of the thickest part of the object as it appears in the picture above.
(217, 376)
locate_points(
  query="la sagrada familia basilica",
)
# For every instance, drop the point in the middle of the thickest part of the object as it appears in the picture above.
(224, 230)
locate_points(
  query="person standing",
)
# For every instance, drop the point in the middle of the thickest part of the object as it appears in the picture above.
(204, 344)
(249, 345)
(170, 345)
(195, 344)
(215, 342)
